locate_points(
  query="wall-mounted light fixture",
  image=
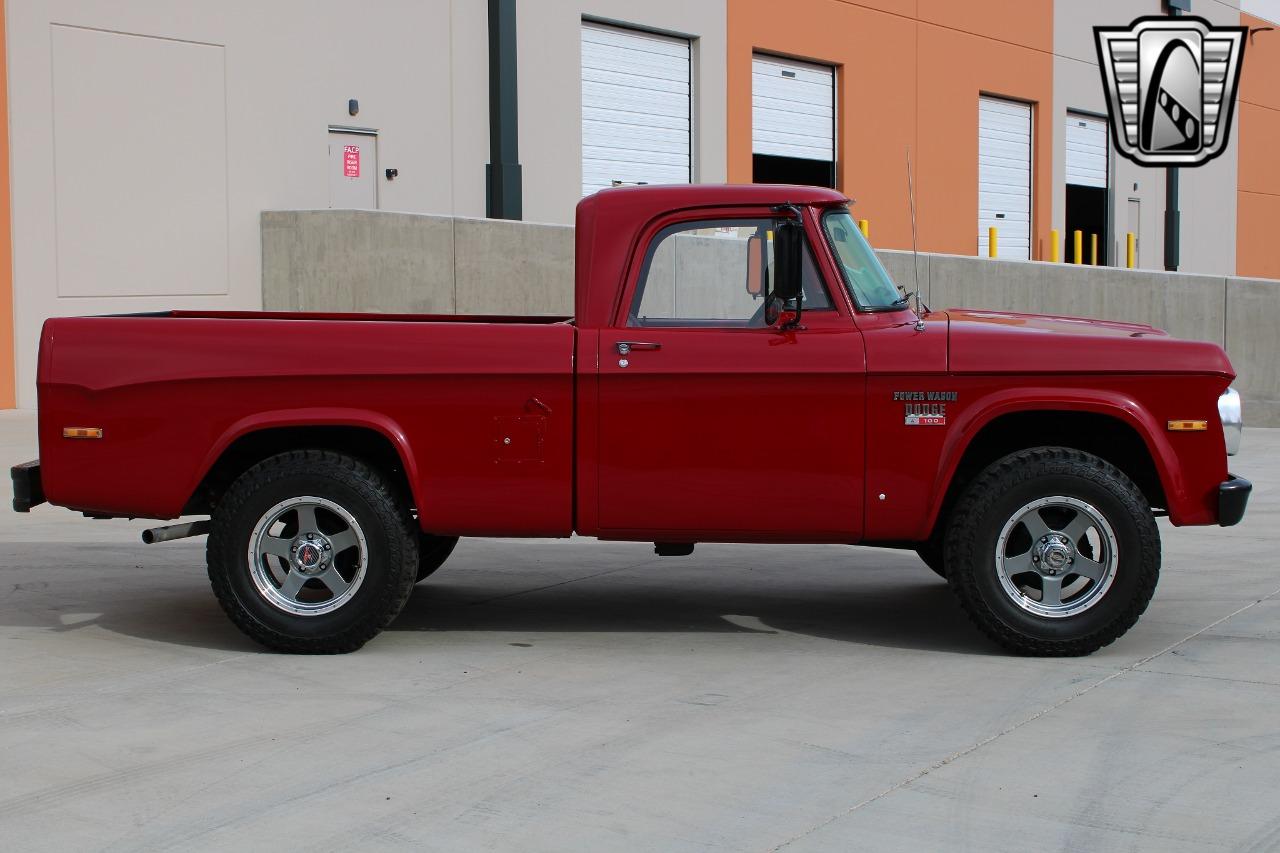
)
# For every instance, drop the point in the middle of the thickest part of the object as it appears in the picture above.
(353, 106)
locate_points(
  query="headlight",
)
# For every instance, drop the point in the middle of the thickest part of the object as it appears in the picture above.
(1229, 409)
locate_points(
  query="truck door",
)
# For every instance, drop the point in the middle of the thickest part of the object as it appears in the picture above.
(714, 424)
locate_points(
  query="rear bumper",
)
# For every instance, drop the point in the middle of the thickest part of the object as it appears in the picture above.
(1233, 497)
(28, 491)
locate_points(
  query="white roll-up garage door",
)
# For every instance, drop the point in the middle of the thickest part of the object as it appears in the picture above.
(1086, 151)
(1004, 176)
(792, 109)
(635, 108)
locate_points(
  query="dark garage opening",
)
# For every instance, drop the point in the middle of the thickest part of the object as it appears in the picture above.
(1087, 212)
(768, 169)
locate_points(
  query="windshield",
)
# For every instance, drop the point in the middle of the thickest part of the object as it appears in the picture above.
(866, 280)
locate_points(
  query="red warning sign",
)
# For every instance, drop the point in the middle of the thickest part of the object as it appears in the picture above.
(351, 161)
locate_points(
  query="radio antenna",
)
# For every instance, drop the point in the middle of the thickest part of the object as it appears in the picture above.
(915, 247)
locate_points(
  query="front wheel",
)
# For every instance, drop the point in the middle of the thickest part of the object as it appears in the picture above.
(1053, 551)
(313, 552)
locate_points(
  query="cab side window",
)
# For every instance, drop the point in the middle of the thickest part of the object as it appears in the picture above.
(714, 274)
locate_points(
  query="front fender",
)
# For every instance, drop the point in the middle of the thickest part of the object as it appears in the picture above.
(1183, 508)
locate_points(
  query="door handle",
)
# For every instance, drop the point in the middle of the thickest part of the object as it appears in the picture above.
(625, 347)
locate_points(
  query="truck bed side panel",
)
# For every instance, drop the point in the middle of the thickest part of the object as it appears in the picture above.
(481, 414)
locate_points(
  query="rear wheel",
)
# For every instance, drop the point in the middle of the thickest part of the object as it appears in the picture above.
(432, 552)
(1053, 551)
(312, 551)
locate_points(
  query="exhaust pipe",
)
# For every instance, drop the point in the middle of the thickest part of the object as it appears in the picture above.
(175, 531)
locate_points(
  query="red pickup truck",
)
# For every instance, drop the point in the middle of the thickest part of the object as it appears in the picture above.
(740, 368)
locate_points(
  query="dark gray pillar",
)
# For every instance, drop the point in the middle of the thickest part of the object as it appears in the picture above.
(502, 174)
(1173, 216)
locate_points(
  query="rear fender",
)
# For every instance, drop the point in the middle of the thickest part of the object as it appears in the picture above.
(316, 417)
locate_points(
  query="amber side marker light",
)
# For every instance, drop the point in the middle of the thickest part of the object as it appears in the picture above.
(1188, 426)
(82, 432)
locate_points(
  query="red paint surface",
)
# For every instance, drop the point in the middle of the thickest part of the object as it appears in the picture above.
(729, 434)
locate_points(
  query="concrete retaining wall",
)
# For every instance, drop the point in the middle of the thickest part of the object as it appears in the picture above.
(390, 262)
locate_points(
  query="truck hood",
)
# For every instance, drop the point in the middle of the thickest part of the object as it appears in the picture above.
(1002, 342)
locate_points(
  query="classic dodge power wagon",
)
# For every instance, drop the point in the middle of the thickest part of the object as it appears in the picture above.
(740, 368)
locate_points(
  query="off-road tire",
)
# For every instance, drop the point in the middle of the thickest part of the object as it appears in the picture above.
(389, 528)
(992, 499)
(432, 552)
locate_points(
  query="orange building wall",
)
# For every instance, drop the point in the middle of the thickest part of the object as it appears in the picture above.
(908, 73)
(1258, 200)
(7, 369)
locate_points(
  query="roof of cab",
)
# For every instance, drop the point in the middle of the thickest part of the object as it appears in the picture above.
(673, 196)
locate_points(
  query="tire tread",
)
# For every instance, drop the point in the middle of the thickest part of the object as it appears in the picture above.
(392, 513)
(995, 481)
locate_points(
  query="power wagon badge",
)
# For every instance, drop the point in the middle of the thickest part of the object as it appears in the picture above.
(925, 408)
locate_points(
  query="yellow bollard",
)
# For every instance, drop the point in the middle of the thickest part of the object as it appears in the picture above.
(865, 227)
(991, 242)
(1129, 252)
(1053, 245)
(1079, 244)
(1093, 250)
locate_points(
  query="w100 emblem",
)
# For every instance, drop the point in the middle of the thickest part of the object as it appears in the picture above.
(1171, 88)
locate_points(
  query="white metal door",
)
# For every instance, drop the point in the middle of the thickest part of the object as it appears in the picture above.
(353, 170)
(636, 108)
(1086, 151)
(1004, 176)
(792, 109)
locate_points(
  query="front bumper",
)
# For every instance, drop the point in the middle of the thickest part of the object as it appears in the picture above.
(1233, 497)
(27, 488)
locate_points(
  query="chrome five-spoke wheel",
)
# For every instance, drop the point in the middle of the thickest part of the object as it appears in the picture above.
(1056, 556)
(307, 556)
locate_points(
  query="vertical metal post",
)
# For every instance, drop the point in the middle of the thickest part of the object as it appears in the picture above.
(502, 173)
(1053, 245)
(1130, 250)
(1173, 216)
(1078, 241)
(993, 239)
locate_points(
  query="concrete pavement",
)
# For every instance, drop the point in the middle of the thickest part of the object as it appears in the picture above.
(573, 695)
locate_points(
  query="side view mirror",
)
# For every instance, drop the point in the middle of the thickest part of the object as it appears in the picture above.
(756, 265)
(788, 246)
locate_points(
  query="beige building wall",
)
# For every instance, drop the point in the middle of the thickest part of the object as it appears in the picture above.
(149, 136)
(549, 62)
(1207, 194)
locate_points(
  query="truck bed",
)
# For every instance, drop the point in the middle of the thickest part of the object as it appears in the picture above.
(366, 317)
(479, 407)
